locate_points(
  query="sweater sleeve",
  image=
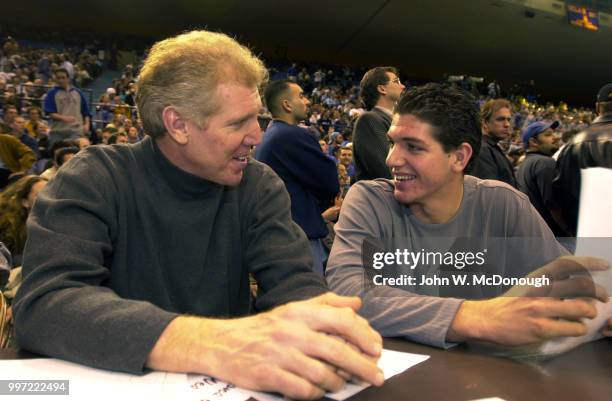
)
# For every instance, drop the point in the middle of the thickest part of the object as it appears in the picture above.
(277, 250)
(392, 311)
(64, 308)
(371, 146)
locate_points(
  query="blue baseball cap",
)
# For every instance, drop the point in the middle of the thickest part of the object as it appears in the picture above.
(537, 128)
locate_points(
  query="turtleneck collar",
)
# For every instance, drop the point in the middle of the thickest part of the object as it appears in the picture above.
(175, 178)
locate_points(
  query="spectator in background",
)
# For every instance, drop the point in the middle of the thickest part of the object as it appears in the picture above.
(10, 112)
(18, 131)
(380, 90)
(345, 157)
(16, 201)
(492, 162)
(34, 118)
(60, 157)
(133, 135)
(15, 158)
(589, 148)
(82, 142)
(67, 109)
(535, 174)
(294, 154)
(118, 137)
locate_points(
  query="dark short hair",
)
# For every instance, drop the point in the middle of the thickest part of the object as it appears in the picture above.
(65, 71)
(452, 112)
(369, 84)
(58, 156)
(272, 94)
(115, 137)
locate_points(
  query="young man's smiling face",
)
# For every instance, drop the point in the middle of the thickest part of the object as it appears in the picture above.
(420, 167)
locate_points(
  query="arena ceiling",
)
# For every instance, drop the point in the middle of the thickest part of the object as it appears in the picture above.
(488, 38)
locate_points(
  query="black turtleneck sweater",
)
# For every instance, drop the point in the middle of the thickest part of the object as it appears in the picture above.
(122, 241)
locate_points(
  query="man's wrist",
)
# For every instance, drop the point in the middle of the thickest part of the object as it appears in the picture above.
(184, 346)
(468, 324)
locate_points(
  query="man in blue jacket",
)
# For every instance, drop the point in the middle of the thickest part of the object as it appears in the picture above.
(295, 155)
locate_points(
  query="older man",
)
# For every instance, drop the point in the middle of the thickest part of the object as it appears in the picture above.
(137, 255)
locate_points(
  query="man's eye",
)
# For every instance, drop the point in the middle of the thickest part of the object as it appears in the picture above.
(413, 148)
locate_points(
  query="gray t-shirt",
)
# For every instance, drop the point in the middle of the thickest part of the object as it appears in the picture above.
(493, 216)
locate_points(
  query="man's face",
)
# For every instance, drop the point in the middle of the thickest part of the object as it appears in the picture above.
(324, 146)
(219, 151)
(547, 142)
(346, 157)
(498, 126)
(420, 167)
(394, 87)
(61, 78)
(122, 139)
(132, 133)
(17, 125)
(33, 115)
(105, 136)
(299, 103)
(10, 115)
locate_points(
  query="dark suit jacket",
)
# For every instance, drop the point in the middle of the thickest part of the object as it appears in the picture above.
(370, 145)
(309, 175)
(492, 163)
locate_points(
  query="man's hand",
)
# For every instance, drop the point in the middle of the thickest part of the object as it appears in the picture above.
(331, 214)
(69, 119)
(526, 315)
(301, 349)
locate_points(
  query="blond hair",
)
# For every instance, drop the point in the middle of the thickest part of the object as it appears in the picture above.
(493, 106)
(184, 71)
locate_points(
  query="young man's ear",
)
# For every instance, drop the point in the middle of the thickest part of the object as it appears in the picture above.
(176, 125)
(461, 156)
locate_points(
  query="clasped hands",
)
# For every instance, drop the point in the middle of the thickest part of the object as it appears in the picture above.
(300, 350)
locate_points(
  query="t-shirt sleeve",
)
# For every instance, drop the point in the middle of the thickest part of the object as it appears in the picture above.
(392, 311)
(64, 308)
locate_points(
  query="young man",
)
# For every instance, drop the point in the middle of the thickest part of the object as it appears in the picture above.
(67, 109)
(432, 206)
(139, 256)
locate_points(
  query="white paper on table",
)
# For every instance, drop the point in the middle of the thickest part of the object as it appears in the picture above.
(391, 363)
(595, 220)
(87, 383)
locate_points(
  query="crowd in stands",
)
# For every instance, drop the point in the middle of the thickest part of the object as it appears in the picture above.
(27, 76)
(372, 155)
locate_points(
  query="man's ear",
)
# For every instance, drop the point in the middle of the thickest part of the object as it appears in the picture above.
(484, 126)
(176, 125)
(533, 142)
(461, 156)
(286, 106)
(381, 89)
(26, 204)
